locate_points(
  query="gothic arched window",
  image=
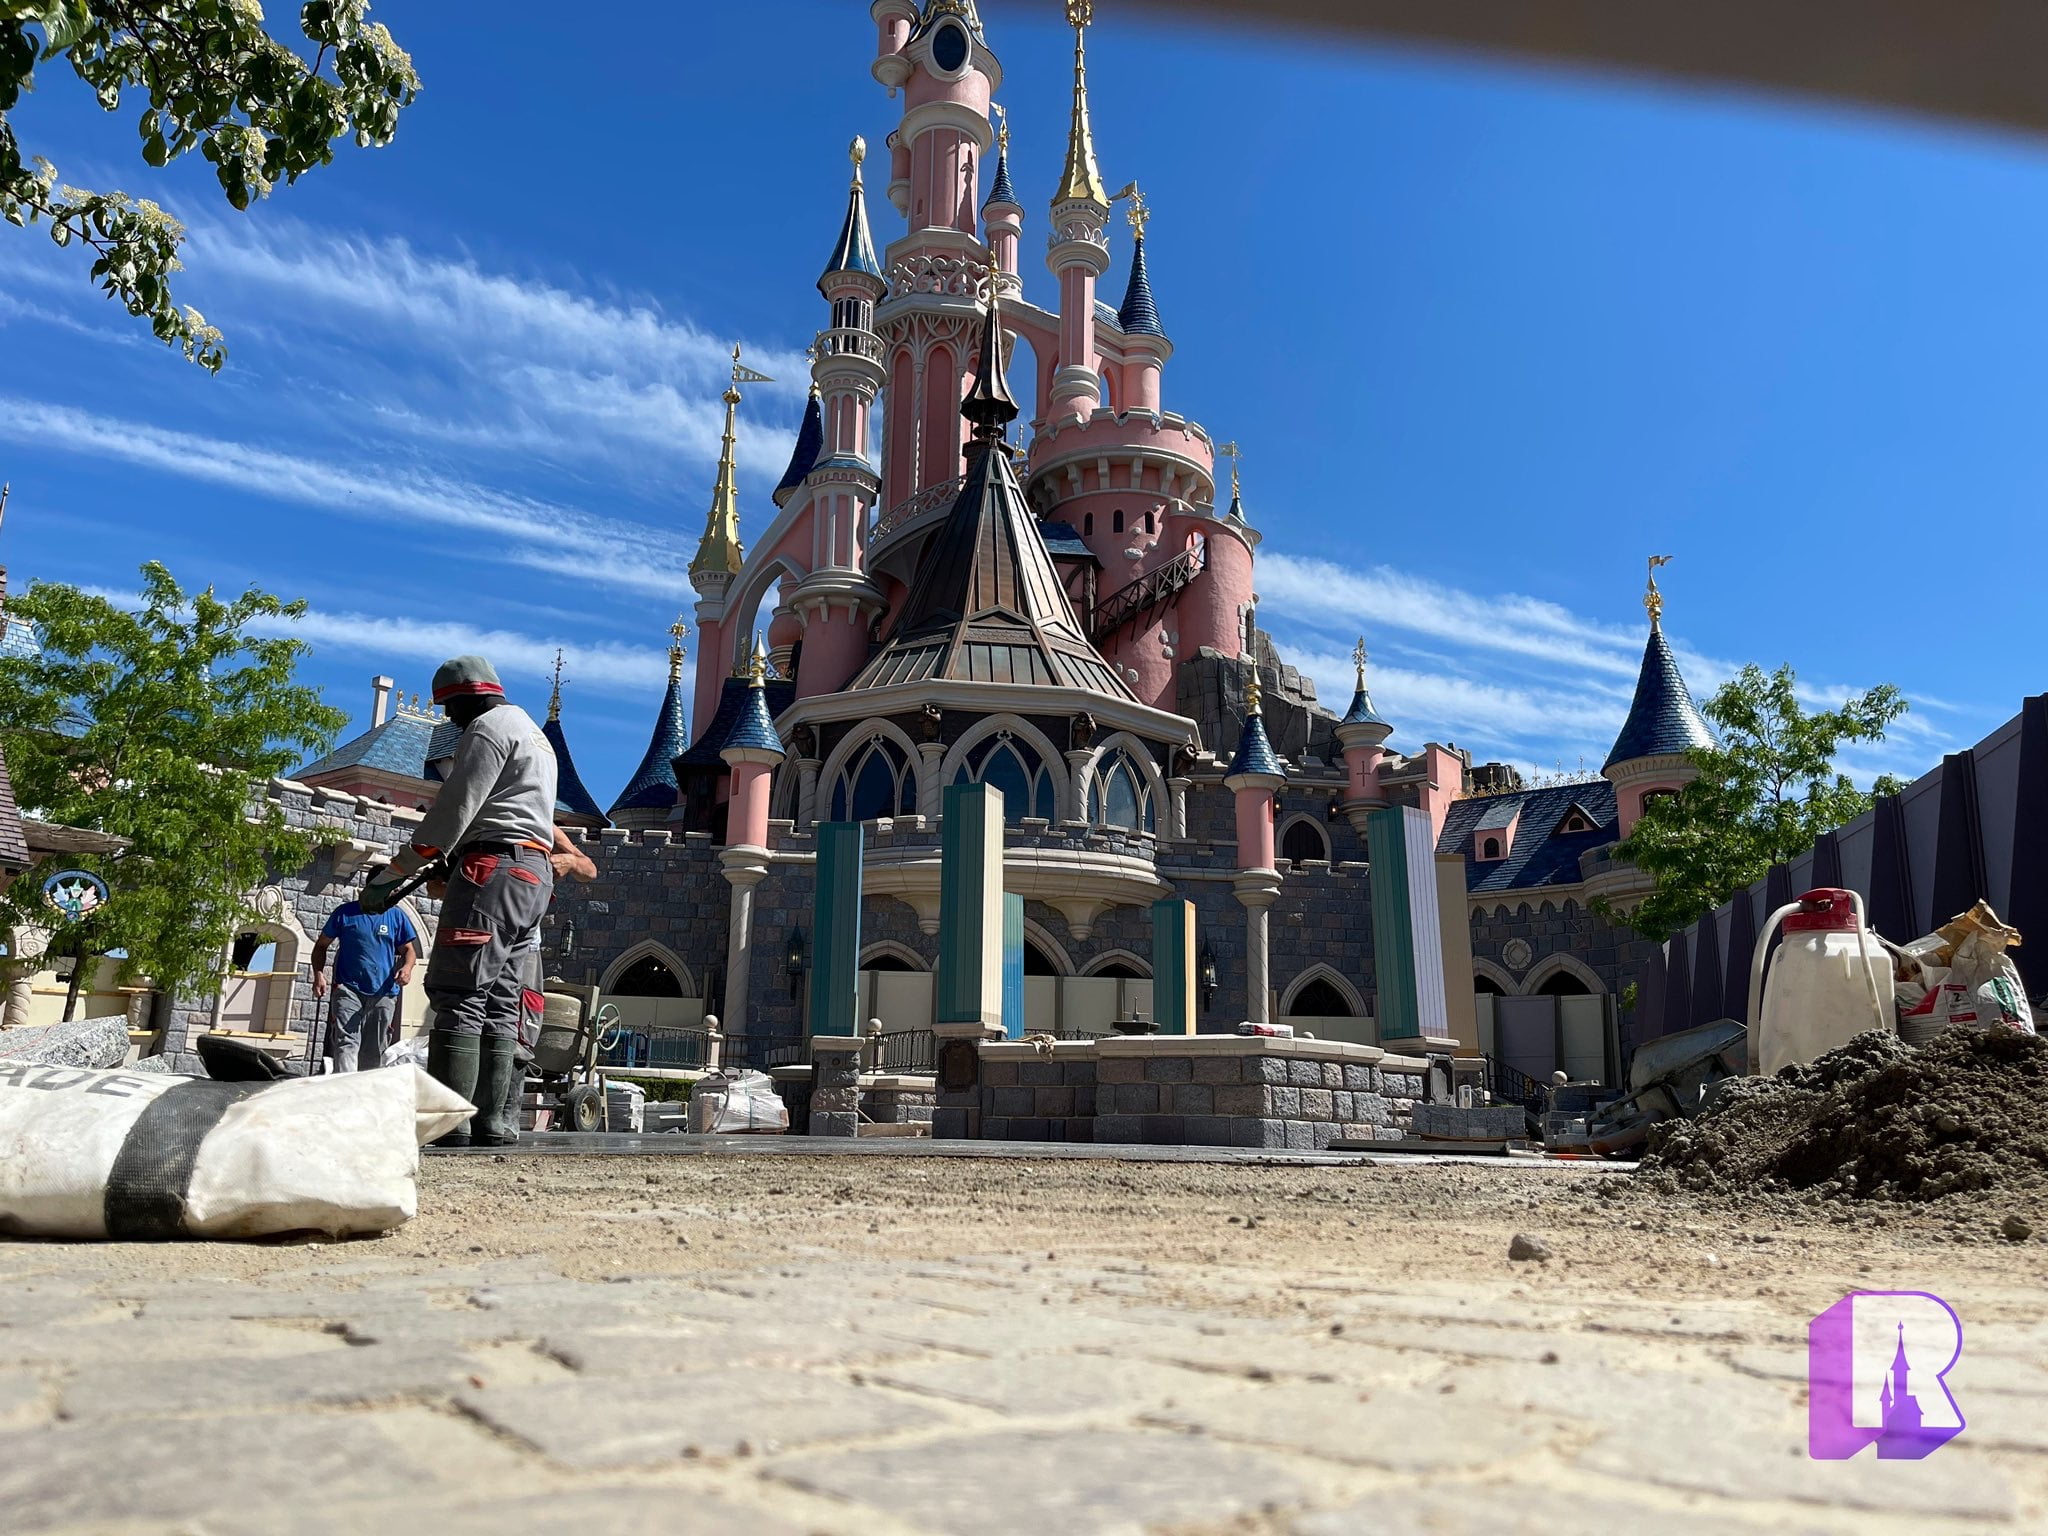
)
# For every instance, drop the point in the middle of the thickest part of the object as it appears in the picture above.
(1120, 796)
(1014, 768)
(878, 780)
(1303, 840)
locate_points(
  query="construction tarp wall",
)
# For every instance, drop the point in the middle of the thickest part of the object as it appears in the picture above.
(1976, 828)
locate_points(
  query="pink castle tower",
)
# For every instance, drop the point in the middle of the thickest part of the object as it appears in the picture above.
(835, 601)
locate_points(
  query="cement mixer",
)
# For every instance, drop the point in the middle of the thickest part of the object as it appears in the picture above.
(1831, 980)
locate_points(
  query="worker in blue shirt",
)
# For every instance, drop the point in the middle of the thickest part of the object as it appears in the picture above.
(377, 955)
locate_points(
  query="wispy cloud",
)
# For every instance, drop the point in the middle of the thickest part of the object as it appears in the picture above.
(520, 530)
(620, 670)
(517, 363)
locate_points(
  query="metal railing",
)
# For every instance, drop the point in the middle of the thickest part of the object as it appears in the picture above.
(907, 1051)
(844, 341)
(1156, 587)
(763, 1053)
(653, 1046)
(912, 507)
(1511, 1085)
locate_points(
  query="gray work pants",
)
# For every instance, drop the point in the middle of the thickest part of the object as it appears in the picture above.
(479, 973)
(358, 1029)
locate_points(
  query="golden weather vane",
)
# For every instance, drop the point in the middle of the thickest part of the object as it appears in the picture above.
(1358, 659)
(1002, 117)
(555, 693)
(1653, 600)
(1140, 212)
(1236, 456)
(1080, 12)
(676, 633)
(745, 375)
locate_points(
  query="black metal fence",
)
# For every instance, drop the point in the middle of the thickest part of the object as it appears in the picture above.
(910, 1051)
(764, 1052)
(1511, 1085)
(658, 1048)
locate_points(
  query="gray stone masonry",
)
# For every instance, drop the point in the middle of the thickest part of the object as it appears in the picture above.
(835, 1101)
(1201, 1098)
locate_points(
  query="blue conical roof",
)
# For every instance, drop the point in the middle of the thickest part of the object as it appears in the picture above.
(1361, 711)
(754, 729)
(810, 443)
(1255, 750)
(653, 785)
(1002, 191)
(571, 798)
(1139, 315)
(1663, 719)
(855, 251)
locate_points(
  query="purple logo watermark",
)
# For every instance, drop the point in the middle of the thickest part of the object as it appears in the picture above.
(1874, 1367)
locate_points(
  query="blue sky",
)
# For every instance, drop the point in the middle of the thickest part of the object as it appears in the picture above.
(1488, 338)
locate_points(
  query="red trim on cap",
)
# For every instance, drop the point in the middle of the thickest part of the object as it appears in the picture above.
(456, 690)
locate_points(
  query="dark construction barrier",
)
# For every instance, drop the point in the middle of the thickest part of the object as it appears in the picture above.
(1974, 828)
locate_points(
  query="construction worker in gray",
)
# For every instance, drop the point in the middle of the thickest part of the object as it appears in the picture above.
(493, 824)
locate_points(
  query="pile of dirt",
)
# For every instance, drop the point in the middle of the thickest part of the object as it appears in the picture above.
(1876, 1120)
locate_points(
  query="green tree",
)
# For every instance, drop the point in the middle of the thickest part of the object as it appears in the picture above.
(213, 80)
(1762, 796)
(159, 724)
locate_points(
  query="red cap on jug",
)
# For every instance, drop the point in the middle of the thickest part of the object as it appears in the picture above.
(1825, 910)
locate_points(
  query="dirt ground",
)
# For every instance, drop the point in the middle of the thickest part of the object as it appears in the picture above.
(596, 1218)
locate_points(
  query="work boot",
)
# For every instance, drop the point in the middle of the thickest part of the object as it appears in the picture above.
(492, 1127)
(454, 1061)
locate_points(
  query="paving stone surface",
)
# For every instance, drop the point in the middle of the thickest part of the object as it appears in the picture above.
(1077, 1482)
(1043, 1387)
(647, 1421)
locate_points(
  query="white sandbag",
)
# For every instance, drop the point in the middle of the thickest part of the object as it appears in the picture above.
(94, 1154)
(735, 1104)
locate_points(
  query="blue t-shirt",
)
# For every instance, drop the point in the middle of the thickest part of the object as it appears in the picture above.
(368, 961)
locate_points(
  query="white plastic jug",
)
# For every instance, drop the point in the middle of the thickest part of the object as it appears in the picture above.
(1832, 981)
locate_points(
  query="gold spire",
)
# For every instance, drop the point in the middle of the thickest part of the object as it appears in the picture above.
(1358, 659)
(1653, 600)
(757, 664)
(720, 551)
(1254, 696)
(1236, 456)
(555, 694)
(1081, 182)
(857, 152)
(1140, 211)
(676, 632)
(1002, 117)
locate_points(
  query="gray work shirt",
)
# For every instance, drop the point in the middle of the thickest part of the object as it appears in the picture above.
(500, 788)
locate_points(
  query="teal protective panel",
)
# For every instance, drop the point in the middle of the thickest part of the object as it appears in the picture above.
(1013, 965)
(1173, 965)
(969, 985)
(1407, 939)
(835, 930)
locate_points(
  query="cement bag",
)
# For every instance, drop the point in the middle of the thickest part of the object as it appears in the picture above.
(1968, 979)
(91, 1154)
(723, 1105)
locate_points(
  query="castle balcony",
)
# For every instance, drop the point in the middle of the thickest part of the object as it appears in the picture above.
(1078, 870)
(1111, 452)
(898, 535)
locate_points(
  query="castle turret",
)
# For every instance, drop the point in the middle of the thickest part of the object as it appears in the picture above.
(1362, 734)
(1664, 725)
(1145, 345)
(751, 753)
(649, 798)
(1002, 216)
(1080, 251)
(947, 76)
(575, 806)
(719, 554)
(1255, 777)
(836, 602)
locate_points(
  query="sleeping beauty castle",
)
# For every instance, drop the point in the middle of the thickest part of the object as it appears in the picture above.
(1064, 608)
